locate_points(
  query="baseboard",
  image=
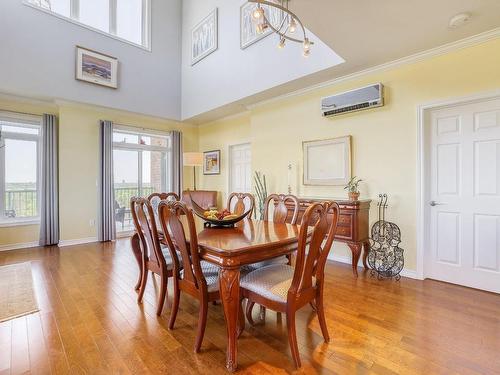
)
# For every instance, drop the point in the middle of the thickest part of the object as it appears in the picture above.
(411, 274)
(78, 241)
(17, 246)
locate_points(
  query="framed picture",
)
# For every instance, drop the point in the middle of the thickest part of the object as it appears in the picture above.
(204, 37)
(248, 34)
(95, 67)
(327, 162)
(211, 162)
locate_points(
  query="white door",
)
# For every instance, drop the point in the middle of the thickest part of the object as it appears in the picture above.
(240, 168)
(464, 195)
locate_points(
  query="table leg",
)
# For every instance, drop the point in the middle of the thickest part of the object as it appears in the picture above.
(356, 252)
(229, 284)
(366, 251)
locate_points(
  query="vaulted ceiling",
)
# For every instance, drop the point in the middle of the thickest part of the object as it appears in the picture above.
(366, 33)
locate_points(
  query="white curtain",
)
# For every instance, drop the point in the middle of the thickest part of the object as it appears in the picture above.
(106, 215)
(49, 197)
(177, 164)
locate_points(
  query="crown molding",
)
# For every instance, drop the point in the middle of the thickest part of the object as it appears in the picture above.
(226, 118)
(408, 60)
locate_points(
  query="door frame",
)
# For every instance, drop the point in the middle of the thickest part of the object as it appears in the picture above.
(423, 172)
(230, 162)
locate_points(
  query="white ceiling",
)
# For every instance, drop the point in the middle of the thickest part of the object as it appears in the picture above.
(367, 33)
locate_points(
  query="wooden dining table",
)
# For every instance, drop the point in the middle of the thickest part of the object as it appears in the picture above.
(249, 241)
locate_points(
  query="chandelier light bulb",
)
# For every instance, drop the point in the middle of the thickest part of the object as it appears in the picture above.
(281, 44)
(293, 26)
(259, 28)
(258, 13)
(307, 44)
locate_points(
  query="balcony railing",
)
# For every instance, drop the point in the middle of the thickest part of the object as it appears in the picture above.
(21, 203)
(123, 217)
(123, 194)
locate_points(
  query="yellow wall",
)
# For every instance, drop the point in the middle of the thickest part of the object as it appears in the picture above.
(221, 135)
(383, 140)
(78, 164)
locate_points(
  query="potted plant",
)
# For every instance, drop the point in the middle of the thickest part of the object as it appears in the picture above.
(352, 188)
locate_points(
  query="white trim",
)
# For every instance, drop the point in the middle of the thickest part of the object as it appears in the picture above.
(347, 260)
(78, 241)
(19, 222)
(17, 246)
(125, 233)
(78, 23)
(422, 109)
(411, 59)
(234, 116)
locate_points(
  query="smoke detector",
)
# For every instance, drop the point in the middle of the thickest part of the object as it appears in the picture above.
(459, 20)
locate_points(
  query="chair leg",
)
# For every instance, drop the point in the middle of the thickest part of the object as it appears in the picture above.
(321, 317)
(241, 319)
(144, 281)
(175, 305)
(292, 338)
(248, 312)
(202, 323)
(163, 293)
(262, 314)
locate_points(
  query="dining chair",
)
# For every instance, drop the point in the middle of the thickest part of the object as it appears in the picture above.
(287, 289)
(154, 258)
(154, 199)
(281, 213)
(239, 203)
(192, 275)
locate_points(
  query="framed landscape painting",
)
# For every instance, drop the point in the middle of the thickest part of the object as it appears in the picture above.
(248, 33)
(327, 162)
(204, 37)
(95, 67)
(211, 162)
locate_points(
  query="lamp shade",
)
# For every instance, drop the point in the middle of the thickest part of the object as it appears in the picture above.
(193, 159)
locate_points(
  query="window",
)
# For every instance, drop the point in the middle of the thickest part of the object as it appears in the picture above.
(19, 168)
(141, 165)
(125, 19)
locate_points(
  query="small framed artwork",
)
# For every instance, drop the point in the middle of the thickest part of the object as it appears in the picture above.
(204, 37)
(95, 67)
(248, 33)
(211, 162)
(327, 162)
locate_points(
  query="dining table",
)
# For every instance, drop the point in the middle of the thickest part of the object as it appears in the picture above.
(248, 241)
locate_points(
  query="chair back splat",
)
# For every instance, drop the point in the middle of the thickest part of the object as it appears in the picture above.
(244, 203)
(281, 211)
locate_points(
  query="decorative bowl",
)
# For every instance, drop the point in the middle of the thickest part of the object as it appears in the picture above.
(200, 212)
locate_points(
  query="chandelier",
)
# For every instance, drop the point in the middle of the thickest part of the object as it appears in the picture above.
(283, 22)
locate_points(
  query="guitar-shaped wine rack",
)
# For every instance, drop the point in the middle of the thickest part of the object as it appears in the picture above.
(385, 257)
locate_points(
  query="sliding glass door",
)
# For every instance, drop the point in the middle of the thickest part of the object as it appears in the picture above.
(141, 163)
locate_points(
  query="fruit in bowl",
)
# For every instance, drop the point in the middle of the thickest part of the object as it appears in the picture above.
(214, 214)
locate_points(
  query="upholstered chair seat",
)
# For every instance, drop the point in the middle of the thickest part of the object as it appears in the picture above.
(269, 262)
(211, 274)
(272, 282)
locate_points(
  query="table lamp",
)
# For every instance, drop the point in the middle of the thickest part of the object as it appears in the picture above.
(193, 159)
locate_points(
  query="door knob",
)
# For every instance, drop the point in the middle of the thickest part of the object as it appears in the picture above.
(434, 203)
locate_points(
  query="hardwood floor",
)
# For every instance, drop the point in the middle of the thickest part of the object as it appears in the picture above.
(89, 323)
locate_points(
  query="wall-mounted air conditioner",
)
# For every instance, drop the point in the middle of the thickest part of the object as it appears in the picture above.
(354, 100)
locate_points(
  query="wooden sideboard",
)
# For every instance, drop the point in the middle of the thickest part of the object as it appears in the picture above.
(353, 226)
